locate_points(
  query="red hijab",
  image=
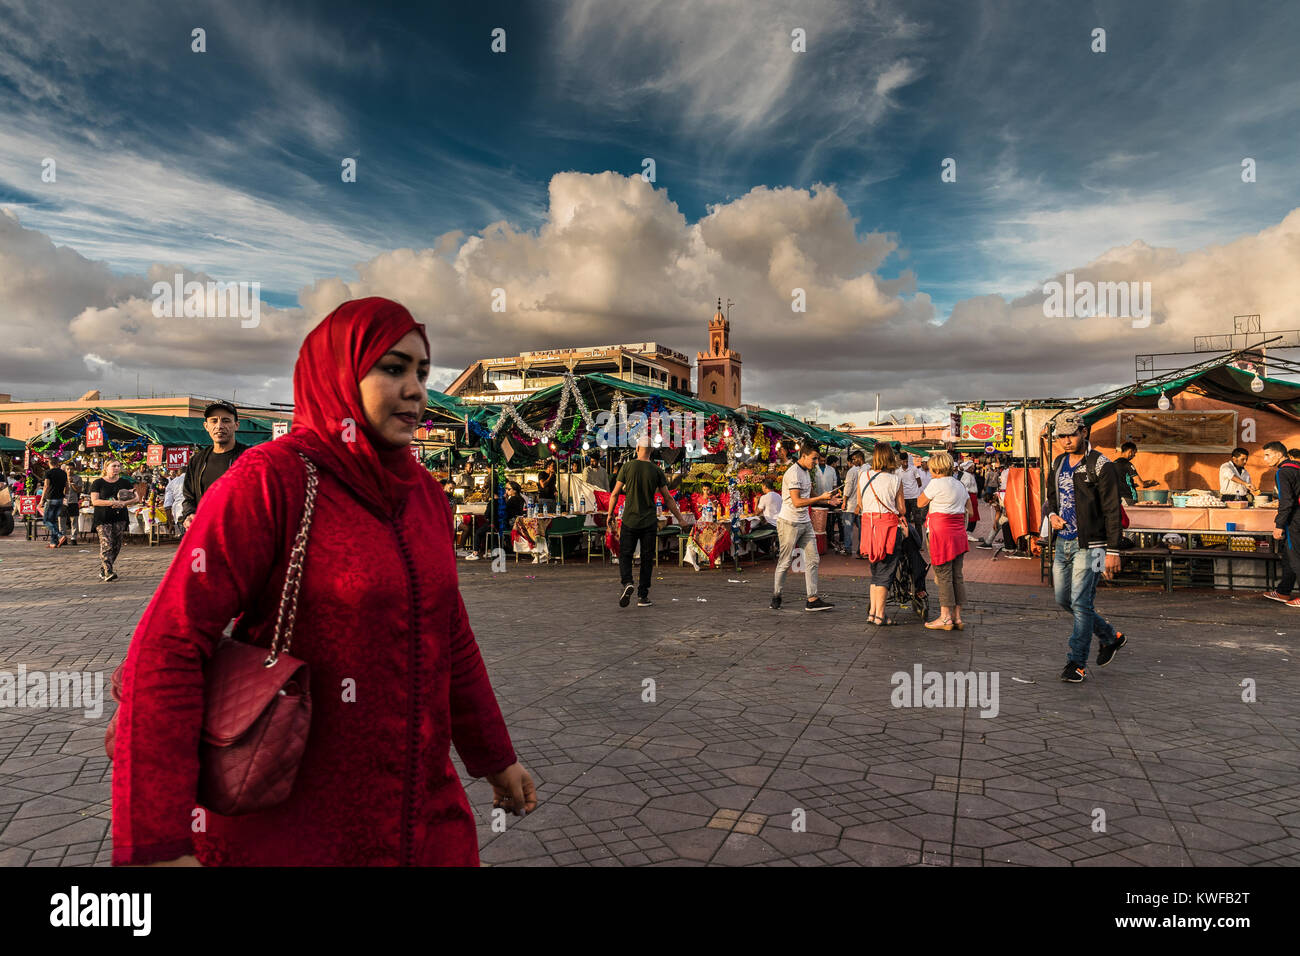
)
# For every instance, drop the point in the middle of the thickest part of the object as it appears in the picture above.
(333, 359)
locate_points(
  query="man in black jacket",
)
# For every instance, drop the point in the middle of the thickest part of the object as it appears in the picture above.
(208, 464)
(1083, 508)
(1287, 523)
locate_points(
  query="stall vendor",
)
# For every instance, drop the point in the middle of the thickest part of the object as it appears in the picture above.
(704, 497)
(465, 478)
(1129, 479)
(1234, 480)
(595, 475)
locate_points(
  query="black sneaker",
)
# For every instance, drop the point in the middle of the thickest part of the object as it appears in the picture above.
(626, 599)
(817, 605)
(1073, 673)
(645, 602)
(101, 575)
(111, 576)
(1107, 651)
(776, 602)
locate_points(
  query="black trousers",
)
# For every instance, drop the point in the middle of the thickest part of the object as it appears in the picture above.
(1290, 548)
(834, 528)
(628, 538)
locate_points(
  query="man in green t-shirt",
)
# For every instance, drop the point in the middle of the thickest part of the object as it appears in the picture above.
(641, 480)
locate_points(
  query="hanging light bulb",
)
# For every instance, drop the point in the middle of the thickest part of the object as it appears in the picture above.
(586, 445)
(726, 432)
(1164, 403)
(603, 444)
(1257, 384)
(552, 446)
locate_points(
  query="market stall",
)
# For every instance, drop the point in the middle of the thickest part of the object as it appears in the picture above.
(146, 445)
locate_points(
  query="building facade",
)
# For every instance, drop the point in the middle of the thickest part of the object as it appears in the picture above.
(511, 379)
(24, 420)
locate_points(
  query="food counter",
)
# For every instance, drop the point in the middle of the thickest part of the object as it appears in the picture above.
(1169, 518)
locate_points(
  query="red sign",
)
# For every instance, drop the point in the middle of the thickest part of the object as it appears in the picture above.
(27, 504)
(982, 431)
(94, 435)
(415, 451)
(154, 456)
(178, 457)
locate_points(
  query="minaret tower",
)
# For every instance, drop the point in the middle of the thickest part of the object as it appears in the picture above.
(719, 368)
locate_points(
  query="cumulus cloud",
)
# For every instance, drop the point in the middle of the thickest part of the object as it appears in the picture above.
(615, 260)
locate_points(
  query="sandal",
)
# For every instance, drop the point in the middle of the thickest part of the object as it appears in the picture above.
(938, 624)
(885, 621)
(959, 625)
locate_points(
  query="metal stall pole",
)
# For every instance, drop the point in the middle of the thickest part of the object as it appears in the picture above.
(1024, 437)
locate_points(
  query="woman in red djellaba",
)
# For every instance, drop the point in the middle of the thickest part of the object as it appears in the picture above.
(395, 674)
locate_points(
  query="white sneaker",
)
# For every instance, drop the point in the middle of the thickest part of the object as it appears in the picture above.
(472, 557)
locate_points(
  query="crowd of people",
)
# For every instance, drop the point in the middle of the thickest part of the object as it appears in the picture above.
(67, 483)
(363, 510)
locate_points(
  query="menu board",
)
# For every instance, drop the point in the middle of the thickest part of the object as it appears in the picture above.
(1178, 432)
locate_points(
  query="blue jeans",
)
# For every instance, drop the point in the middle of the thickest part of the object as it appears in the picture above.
(1074, 576)
(52, 513)
(852, 528)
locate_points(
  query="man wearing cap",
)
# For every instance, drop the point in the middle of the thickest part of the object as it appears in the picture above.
(208, 464)
(1084, 512)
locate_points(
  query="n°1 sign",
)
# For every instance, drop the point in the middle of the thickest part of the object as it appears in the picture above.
(94, 435)
(178, 457)
(27, 504)
(154, 455)
(279, 429)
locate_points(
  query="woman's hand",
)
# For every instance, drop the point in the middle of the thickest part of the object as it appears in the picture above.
(513, 790)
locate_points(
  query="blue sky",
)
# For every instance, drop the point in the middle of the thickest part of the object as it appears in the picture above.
(227, 162)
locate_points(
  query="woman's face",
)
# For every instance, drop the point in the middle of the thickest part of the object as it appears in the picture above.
(112, 470)
(392, 393)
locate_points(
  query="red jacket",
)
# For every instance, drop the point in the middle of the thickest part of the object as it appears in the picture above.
(379, 605)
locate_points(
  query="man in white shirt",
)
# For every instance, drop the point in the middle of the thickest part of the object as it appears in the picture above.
(794, 526)
(910, 476)
(595, 475)
(826, 477)
(1234, 479)
(852, 505)
(172, 497)
(769, 503)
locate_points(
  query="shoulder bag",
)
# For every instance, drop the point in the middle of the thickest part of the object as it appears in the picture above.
(257, 705)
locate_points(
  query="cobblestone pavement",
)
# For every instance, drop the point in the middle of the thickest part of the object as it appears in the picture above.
(761, 719)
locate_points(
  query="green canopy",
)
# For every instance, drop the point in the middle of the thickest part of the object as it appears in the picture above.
(1224, 383)
(11, 446)
(165, 429)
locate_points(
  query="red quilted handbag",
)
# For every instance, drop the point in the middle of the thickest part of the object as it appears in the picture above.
(257, 706)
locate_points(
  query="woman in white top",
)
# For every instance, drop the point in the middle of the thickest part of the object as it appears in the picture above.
(884, 518)
(949, 508)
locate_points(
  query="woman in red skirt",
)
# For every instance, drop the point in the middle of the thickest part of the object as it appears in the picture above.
(396, 675)
(949, 507)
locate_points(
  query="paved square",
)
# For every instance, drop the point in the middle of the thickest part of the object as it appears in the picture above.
(770, 737)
